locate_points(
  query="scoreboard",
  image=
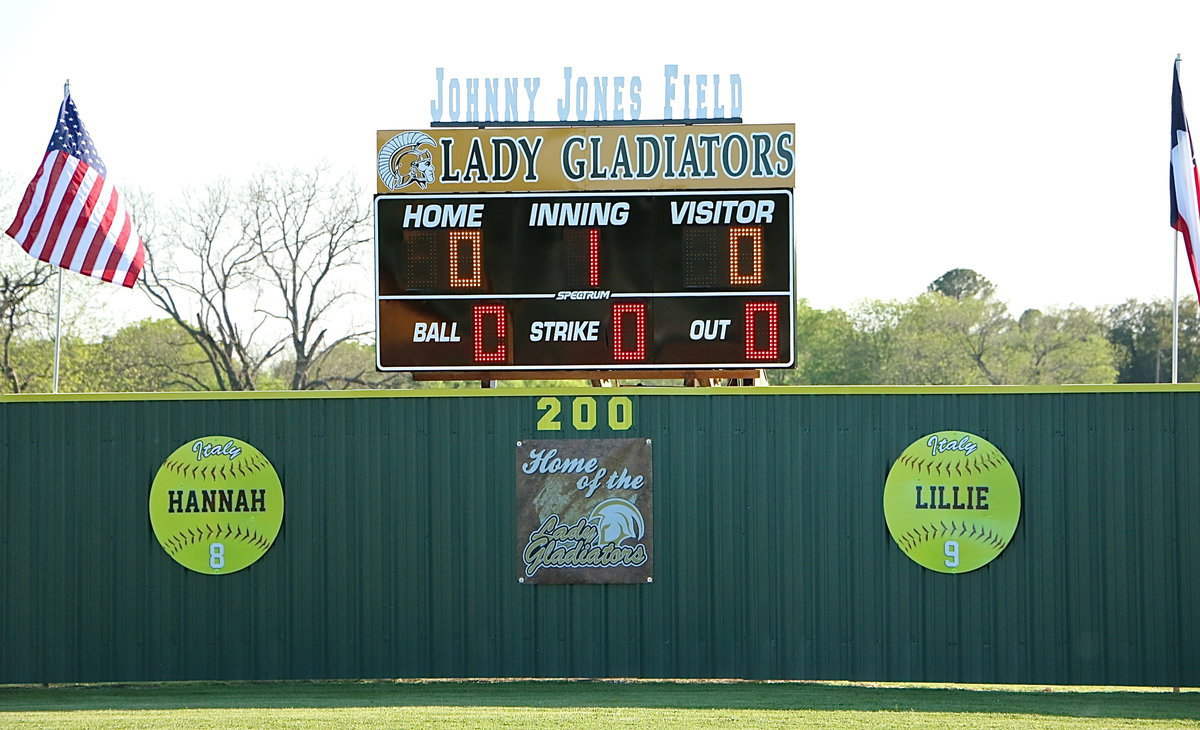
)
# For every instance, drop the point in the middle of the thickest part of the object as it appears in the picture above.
(585, 281)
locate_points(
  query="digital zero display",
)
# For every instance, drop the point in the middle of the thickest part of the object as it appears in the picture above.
(575, 281)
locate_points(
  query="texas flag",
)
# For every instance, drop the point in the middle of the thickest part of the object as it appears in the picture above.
(1185, 208)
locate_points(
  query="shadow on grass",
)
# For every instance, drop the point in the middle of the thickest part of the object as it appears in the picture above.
(715, 695)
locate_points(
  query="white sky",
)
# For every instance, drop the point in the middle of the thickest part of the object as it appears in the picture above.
(1027, 141)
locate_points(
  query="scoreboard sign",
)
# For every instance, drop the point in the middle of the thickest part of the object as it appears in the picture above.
(571, 281)
(630, 247)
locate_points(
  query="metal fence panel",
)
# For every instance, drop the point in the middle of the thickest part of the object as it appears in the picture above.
(772, 556)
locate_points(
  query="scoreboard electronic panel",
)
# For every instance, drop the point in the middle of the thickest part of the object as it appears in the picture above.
(585, 281)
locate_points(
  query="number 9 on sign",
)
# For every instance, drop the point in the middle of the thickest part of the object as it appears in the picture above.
(951, 550)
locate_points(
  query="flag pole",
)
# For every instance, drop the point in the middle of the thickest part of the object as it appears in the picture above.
(58, 330)
(1175, 280)
(1175, 314)
(58, 310)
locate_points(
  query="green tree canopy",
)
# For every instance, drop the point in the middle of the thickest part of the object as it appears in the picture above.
(147, 356)
(347, 365)
(1059, 346)
(830, 350)
(962, 284)
(941, 340)
(1141, 333)
(955, 333)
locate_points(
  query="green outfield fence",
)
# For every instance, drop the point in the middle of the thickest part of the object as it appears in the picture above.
(397, 556)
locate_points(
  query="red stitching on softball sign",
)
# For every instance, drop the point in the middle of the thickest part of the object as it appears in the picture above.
(216, 505)
(952, 502)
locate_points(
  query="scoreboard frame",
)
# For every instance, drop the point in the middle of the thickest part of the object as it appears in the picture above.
(491, 274)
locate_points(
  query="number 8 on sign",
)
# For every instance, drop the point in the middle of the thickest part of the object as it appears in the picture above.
(216, 556)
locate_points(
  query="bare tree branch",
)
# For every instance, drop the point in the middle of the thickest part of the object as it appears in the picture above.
(306, 229)
(257, 272)
(19, 285)
(202, 274)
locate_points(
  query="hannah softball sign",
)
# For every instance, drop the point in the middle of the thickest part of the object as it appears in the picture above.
(216, 505)
(584, 511)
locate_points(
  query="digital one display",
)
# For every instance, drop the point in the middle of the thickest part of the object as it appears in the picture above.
(585, 281)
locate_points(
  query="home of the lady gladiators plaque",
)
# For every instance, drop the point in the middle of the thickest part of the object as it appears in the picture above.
(584, 511)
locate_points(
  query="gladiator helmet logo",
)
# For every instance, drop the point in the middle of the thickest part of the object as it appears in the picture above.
(618, 520)
(405, 159)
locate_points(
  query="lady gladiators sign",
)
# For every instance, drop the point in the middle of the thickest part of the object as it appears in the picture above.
(584, 511)
(586, 158)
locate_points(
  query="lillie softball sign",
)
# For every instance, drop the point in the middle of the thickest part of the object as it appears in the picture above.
(584, 511)
(952, 501)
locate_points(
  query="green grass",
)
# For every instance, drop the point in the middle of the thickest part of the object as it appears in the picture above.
(579, 705)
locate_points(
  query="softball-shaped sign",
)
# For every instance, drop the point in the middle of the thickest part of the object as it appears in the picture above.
(216, 505)
(952, 501)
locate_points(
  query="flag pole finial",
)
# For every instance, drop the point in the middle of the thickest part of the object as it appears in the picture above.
(66, 88)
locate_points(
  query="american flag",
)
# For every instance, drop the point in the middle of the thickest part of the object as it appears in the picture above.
(71, 215)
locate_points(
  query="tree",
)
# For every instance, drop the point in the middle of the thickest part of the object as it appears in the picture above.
(305, 229)
(967, 337)
(952, 334)
(1142, 334)
(254, 272)
(1059, 346)
(202, 274)
(147, 356)
(346, 365)
(962, 284)
(940, 340)
(24, 302)
(22, 288)
(830, 350)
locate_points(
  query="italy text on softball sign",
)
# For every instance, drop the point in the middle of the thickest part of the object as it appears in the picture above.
(952, 501)
(584, 511)
(216, 505)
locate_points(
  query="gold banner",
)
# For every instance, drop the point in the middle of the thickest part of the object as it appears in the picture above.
(518, 159)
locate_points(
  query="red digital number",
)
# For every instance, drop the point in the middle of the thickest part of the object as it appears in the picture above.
(593, 257)
(754, 312)
(751, 236)
(623, 314)
(473, 241)
(581, 248)
(497, 314)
